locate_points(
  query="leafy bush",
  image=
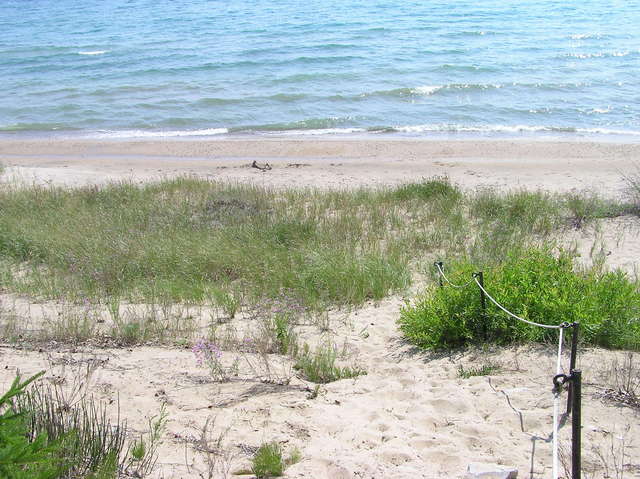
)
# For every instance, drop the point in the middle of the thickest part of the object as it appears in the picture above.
(537, 286)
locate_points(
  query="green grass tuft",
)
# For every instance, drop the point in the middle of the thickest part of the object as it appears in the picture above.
(437, 188)
(320, 366)
(484, 370)
(268, 461)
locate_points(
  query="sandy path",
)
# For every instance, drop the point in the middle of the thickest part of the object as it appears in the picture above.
(410, 416)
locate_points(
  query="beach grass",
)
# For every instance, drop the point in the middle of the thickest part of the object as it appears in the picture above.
(188, 239)
(50, 432)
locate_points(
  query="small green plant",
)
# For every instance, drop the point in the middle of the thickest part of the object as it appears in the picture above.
(286, 338)
(143, 452)
(320, 366)
(268, 461)
(484, 370)
(228, 302)
(275, 335)
(209, 355)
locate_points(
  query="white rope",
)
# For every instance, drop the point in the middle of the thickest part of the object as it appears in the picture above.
(549, 326)
(449, 282)
(556, 407)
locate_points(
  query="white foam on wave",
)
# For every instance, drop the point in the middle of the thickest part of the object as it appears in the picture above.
(601, 110)
(583, 36)
(96, 52)
(598, 55)
(511, 129)
(162, 134)
(324, 131)
(431, 89)
(427, 89)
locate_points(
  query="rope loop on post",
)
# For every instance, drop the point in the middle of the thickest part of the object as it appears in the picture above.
(560, 380)
(438, 264)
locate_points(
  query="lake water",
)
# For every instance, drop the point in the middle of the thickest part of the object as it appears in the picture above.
(120, 68)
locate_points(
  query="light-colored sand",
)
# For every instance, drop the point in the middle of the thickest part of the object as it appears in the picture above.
(411, 416)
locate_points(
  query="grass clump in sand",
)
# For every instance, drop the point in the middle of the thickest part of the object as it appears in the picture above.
(472, 371)
(42, 435)
(269, 460)
(622, 381)
(320, 365)
(23, 455)
(538, 286)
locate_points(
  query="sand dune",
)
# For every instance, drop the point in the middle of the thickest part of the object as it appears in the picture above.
(411, 415)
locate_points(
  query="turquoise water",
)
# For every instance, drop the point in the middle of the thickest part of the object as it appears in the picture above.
(121, 68)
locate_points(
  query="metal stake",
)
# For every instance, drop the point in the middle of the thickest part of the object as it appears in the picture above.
(572, 361)
(436, 264)
(576, 422)
(483, 303)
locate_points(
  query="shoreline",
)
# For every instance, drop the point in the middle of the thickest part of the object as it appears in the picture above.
(560, 166)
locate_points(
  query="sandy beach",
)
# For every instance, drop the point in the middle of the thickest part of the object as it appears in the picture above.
(330, 163)
(411, 415)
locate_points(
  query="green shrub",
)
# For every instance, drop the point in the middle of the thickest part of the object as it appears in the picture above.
(535, 285)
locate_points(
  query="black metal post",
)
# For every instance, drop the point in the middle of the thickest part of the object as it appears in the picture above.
(572, 362)
(576, 422)
(436, 264)
(483, 303)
